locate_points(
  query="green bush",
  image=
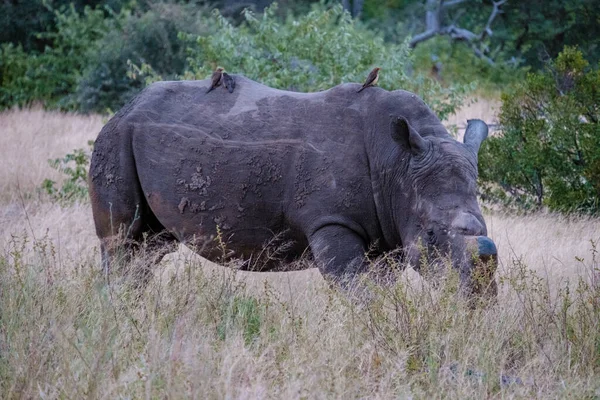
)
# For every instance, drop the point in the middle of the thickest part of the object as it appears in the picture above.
(98, 59)
(148, 38)
(85, 66)
(549, 151)
(311, 52)
(456, 62)
(75, 185)
(52, 76)
(18, 83)
(21, 21)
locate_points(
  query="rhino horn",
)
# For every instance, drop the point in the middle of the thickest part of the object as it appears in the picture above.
(406, 135)
(476, 132)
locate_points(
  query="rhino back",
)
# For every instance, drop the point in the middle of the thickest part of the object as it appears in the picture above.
(254, 162)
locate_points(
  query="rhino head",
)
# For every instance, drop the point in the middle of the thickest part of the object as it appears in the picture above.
(438, 217)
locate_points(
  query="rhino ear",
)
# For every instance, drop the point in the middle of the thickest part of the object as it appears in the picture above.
(476, 132)
(407, 136)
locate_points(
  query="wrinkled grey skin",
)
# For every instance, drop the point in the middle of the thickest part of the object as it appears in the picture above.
(337, 172)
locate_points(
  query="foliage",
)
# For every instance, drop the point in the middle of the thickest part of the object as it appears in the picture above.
(75, 185)
(549, 150)
(74, 54)
(23, 20)
(534, 31)
(74, 41)
(149, 39)
(448, 62)
(51, 76)
(525, 33)
(19, 84)
(311, 52)
(85, 65)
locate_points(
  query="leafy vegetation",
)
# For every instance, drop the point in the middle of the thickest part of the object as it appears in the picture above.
(74, 166)
(148, 38)
(312, 52)
(85, 66)
(52, 75)
(23, 21)
(93, 57)
(549, 151)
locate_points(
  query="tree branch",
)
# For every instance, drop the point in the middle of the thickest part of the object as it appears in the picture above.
(452, 3)
(421, 37)
(488, 27)
(435, 27)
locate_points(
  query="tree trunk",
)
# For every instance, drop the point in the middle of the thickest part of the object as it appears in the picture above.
(432, 18)
(354, 7)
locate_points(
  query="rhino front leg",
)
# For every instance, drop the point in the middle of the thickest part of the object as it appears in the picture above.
(340, 254)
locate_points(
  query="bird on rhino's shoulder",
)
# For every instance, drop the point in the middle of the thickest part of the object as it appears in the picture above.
(372, 79)
(216, 79)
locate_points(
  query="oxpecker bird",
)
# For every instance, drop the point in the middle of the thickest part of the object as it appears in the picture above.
(371, 79)
(228, 82)
(216, 79)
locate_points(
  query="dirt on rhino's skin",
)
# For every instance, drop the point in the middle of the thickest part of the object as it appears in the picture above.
(336, 173)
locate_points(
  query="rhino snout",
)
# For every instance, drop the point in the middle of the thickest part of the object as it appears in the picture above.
(486, 247)
(468, 224)
(483, 265)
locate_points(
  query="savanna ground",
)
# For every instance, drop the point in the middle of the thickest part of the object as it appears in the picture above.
(202, 331)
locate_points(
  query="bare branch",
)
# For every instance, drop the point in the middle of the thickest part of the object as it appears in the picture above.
(421, 37)
(480, 54)
(452, 3)
(457, 33)
(488, 27)
(434, 27)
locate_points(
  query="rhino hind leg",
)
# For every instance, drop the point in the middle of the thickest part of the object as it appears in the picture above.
(136, 245)
(130, 234)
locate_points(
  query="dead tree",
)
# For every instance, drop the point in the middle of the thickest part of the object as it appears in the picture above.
(434, 26)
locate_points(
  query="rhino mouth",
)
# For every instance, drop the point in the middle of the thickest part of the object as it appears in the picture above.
(481, 265)
(474, 257)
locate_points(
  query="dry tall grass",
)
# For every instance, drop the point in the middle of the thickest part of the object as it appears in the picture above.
(31, 137)
(202, 331)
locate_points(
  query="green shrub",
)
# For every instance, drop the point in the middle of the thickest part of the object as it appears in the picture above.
(85, 66)
(18, 83)
(549, 151)
(457, 63)
(74, 166)
(22, 21)
(311, 52)
(74, 41)
(148, 38)
(98, 59)
(53, 75)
